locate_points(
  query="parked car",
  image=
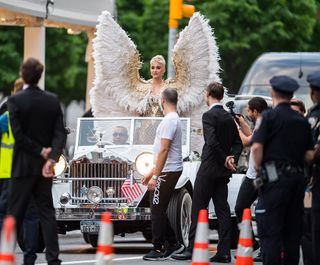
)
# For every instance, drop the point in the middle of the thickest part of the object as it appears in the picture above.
(92, 182)
(296, 65)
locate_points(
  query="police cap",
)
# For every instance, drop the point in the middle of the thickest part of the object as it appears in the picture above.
(284, 84)
(314, 80)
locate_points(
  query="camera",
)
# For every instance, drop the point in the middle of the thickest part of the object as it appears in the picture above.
(230, 106)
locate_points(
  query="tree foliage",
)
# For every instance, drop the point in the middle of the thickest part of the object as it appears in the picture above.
(247, 28)
(11, 50)
(65, 67)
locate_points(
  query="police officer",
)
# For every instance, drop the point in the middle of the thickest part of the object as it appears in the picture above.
(314, 119)
(282, 142)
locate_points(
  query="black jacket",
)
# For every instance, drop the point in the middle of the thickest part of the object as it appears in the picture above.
(221, 140)
(36, 121)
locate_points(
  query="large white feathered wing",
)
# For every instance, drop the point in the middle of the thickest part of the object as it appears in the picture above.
(196, 61)
(117, 64)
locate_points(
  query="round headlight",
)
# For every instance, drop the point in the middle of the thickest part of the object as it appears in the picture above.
(65, 198)
(94, 194)
(144, 163)
(61, 166)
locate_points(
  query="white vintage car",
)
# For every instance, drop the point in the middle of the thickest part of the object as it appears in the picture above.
(94, 181)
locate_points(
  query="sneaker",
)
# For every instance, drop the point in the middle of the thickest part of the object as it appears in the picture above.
(153, 255)
(258, 257)
(172, 249)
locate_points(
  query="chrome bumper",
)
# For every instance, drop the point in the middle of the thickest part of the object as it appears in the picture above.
(118, 214)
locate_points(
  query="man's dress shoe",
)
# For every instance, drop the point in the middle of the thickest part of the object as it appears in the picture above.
(184, 255)
(221, 258)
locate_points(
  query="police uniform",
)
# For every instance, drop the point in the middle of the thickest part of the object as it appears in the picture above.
(314, 119)
(285, 136)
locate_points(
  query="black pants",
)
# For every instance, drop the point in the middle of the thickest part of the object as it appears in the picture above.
(30, 224)
(246, 197)
(206, 188)
(38, 187)
(315, 220)
(306, 239)
(159, 200)
(279, 215)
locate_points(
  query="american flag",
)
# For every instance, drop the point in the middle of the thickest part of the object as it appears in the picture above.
(130, 190)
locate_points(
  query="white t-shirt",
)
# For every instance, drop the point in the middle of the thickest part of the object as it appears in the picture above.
(251, 172)
(170, 128)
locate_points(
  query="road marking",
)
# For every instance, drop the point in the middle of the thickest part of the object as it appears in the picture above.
(93, 260)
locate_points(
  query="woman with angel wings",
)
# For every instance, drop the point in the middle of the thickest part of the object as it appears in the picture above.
(117, 79)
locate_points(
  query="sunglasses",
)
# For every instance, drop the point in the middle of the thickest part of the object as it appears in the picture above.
(118, 134)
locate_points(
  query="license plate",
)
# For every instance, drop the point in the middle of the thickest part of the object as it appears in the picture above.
(90, 226)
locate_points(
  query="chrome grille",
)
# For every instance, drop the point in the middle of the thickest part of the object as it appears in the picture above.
(104, 175)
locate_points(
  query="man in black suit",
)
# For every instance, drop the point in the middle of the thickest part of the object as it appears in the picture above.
(220, 154)
(37, 126)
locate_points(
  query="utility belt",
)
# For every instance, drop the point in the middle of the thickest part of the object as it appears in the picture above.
(272, 171)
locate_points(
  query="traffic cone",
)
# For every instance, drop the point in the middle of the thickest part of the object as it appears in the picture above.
(104, 253)
(245, 250)
(200, 255)
(8, 242)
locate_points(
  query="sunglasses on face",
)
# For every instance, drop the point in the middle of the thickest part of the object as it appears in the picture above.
(118, 134)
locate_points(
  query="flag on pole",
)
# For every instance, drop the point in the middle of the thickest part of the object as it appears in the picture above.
(131, 190)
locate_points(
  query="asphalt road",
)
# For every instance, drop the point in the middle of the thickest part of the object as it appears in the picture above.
(128, 250)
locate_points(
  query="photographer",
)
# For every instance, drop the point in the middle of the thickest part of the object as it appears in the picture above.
(247, 192)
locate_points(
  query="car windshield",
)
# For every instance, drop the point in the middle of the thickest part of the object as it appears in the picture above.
(121, 131)
(256, 81)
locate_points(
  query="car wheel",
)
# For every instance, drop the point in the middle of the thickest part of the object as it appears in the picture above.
(40, 245)
(179, 213)
(92, 238)
(86, 237)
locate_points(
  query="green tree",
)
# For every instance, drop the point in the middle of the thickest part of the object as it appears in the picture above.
(66, 69)
(247, 28)
(315, 40)
(11, 50)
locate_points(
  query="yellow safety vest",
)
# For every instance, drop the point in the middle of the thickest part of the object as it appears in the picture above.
(6, 152)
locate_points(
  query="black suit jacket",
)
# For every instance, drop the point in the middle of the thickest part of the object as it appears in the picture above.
(221, 140)
(36, 121)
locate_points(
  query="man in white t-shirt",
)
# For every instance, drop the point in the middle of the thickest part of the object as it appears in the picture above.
(162, 179)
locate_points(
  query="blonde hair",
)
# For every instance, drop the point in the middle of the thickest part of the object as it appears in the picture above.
(158, 59)
(18, 85)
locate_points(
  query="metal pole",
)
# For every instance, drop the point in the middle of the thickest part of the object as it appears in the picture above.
(171, 42)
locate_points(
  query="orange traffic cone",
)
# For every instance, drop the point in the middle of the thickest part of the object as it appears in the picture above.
(245, 250)
(105, 250)
(200, 255)
(8, 242)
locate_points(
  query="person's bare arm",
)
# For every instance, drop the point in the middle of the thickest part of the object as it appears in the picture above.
(245, 139)
(257, 152)
(244, 126)
(309, 156)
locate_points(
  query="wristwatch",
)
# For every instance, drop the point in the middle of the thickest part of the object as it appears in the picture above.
(154, 177)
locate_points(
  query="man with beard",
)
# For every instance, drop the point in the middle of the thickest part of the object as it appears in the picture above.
(247, 192)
